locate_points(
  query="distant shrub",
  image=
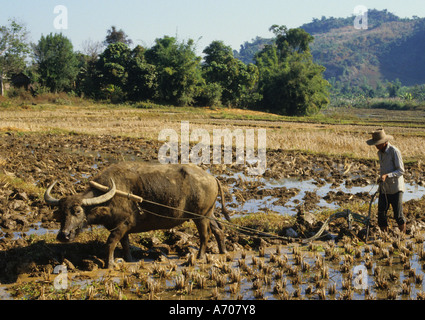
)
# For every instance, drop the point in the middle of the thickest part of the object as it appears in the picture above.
(209, 95)
(113, 93)
(38, 95)
(19, 93)
(378, 103)
(393, 104)
(5, 103)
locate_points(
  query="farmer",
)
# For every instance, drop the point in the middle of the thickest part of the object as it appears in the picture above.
(391, 176)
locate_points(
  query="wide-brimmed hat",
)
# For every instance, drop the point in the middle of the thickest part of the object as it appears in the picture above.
(379, 137)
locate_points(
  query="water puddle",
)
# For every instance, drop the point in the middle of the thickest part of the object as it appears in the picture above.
(305, 188)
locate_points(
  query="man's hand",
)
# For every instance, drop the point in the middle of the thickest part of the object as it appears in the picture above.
(384, 177)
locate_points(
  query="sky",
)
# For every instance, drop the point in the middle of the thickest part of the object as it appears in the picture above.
(232, 21)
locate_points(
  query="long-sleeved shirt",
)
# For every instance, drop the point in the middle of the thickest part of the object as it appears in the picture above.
(392, 164)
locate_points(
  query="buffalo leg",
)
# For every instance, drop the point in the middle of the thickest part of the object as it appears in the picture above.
(219, 236)
(125, 242)
(203, 229)
(116, 235)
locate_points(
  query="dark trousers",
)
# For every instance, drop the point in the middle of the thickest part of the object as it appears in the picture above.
(384, 202)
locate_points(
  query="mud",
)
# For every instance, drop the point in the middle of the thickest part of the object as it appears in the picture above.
(30, 162)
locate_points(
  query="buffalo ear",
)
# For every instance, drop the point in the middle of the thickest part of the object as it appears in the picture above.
(57, 216)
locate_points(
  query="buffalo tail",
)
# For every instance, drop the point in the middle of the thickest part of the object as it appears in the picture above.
(223, 202)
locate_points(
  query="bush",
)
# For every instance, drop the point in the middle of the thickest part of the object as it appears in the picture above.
(393, 104)
(18, 97)
(5, 103)
(209, 95)
(114, 93)
(19, 93)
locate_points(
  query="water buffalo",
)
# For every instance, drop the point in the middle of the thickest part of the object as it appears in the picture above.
(183, 189)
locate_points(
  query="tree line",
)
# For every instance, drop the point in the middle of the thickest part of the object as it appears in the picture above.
(282, 78)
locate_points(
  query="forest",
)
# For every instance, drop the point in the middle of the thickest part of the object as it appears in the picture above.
(297, 71)
(284, 79)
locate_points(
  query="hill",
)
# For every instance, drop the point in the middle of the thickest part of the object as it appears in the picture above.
(391, 48)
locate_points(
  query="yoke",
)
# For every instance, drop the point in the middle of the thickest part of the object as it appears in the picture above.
(120, 193)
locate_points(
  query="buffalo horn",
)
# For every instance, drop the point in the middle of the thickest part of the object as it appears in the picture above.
(48, 198)
(101, 199)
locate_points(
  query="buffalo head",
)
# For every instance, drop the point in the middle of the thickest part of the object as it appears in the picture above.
(71, 210)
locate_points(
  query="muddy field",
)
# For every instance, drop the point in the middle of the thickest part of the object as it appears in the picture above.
(255, 267)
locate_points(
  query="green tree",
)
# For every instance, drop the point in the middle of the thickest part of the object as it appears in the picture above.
(291, 41)
(290, 82)
(142, 77)
(394, 88)
(248, 50)
(113, 36)
(208, 94)
(57, 62)
(178, 70)
(236, 79)
(122, 73)
(13, 50)
(87, 83)
(112, 64)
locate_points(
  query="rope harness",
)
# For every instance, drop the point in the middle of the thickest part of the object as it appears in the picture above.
(348, 214)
